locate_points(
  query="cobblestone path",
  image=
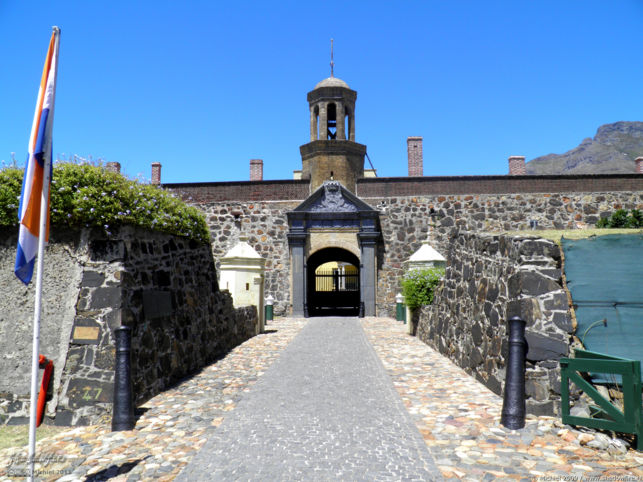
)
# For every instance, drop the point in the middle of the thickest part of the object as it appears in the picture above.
(173, 428)
(326, 410)
(460, 421)
(457, 416)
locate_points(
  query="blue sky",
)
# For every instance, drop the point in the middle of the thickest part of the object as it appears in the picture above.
(203, 87)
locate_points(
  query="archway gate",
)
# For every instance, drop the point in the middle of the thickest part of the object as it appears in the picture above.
(332, 223)
(332, 276)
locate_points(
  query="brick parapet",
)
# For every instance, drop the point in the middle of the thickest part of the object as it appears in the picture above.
(460, 185)
(299, 190)
(207, 192)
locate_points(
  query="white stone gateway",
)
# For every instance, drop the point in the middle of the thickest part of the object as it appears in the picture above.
(242, 274)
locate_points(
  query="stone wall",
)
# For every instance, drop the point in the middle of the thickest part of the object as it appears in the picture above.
(265, 224)
(476, 203)
(62, 275)
(180, 319)
(405, 222)
(163, 286)
(489, 279)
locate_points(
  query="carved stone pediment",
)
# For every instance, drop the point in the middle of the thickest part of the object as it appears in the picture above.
(332, 200)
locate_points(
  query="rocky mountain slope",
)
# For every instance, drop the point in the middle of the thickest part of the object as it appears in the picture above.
(612, 150)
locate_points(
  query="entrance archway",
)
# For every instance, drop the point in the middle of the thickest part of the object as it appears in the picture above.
(332, 282)
(333, 225)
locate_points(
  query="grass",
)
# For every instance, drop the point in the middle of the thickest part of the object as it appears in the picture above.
(557, 234)
(18, 435)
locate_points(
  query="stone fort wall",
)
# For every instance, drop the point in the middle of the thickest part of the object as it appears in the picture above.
(475, 203)
(163, 286)
(489, 279)
(405, 222)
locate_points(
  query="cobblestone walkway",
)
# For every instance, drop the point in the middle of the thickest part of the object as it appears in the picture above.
(458, 418)
(326, 410)
(173, 428)
(460, 421)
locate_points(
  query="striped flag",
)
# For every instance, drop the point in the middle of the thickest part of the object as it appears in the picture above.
(37, 177)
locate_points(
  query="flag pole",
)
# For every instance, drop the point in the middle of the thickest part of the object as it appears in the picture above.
(36, 323)
(42, 234)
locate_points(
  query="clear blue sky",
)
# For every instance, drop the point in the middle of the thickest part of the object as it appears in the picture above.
(203, 87)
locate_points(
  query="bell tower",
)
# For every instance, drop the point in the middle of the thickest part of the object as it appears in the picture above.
(332, 152)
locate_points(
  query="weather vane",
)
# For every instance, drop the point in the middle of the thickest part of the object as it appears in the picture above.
(332, 64)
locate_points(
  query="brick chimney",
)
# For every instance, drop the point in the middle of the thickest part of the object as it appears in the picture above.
(517, 166)
(156, 173)
(113, 167)
(639, 165)
(256, 169)
(414, 149)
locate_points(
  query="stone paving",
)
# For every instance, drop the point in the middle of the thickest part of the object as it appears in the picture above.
(173, 428)
(458, 418)
(326, 410)
(460, 421)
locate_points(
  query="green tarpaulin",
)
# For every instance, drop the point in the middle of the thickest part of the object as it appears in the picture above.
(605, 278)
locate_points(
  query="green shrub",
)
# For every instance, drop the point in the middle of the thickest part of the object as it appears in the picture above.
(635, 220)
(418, 286)
(618, 219)
(603, 223)
(10, 187)
(84, 195)
(621, 219)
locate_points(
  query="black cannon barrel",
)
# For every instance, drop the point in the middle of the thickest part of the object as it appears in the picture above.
(513, 405)
(123, 409)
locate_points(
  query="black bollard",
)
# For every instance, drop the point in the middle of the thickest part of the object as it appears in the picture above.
(513, 405)
(123, 409)
(361, 309)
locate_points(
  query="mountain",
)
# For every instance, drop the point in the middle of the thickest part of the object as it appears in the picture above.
(612, 150)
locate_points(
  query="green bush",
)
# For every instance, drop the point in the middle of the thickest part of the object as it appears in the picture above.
(10, 187)
(84, 195)
(418, 286)
(635, 220)
(621, 219)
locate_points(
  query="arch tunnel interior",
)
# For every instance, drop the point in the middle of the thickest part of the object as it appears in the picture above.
(332, 283)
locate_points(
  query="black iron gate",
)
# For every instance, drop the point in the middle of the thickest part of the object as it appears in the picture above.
(334, 292)
(335, 280)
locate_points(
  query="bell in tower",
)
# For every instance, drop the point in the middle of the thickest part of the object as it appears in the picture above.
(332, 107)
(332, 150)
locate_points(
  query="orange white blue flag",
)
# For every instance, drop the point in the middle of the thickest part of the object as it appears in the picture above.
(38, 168)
